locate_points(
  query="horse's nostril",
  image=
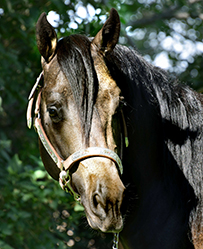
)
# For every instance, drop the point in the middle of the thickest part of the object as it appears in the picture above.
(96, 200)
(98, 205)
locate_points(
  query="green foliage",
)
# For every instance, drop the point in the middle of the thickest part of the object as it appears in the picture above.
(34, 211)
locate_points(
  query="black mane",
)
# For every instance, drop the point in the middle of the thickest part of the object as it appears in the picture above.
(179, 110)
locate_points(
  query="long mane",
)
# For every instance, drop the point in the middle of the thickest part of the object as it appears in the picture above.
(179, 109)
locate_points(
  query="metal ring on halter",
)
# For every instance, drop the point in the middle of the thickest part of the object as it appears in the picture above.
(64, 181)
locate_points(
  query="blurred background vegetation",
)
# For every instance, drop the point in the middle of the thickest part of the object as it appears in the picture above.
(34, 211)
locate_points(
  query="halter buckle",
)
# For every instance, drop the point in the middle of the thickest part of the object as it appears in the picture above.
(64, 181)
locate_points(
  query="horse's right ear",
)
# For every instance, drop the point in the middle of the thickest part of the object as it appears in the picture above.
(107, 38)
(46, 38)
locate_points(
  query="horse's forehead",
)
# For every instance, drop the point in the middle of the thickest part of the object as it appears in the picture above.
(54, 78)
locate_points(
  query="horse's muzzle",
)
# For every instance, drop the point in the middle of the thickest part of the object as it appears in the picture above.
(97, 181)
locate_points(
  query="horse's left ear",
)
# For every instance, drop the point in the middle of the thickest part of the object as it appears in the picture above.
(46, 38)
(107, 38)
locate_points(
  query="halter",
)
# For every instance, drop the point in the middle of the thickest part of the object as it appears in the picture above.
(65, 166)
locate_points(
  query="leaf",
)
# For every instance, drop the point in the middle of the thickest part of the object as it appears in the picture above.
(3, 245)
(15, 165)
(6, 229)
(39, 174)
(78, 207)
(27, 197)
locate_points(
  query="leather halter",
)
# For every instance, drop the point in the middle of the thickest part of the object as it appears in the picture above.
(66, 165)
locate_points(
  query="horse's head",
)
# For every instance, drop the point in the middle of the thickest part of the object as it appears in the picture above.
(79, 110)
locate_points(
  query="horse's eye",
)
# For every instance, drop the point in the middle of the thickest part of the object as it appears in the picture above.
(52, 112)
(55, 114)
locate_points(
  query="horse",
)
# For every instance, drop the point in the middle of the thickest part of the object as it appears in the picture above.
(122, 136)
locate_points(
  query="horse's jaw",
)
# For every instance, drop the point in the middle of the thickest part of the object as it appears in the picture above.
(101, 190)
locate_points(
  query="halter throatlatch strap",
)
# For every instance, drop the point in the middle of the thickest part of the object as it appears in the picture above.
(47, 145)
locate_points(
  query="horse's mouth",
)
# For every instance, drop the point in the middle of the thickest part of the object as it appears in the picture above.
(106, 226)
(107, 221)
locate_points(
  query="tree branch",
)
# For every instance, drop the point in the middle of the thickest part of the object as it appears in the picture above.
(149, 19)
(167, 13)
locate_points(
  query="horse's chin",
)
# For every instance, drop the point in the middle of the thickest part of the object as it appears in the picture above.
(106, 226)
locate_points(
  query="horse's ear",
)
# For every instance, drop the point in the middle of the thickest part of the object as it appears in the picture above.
(46, 38)
(107, 38)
